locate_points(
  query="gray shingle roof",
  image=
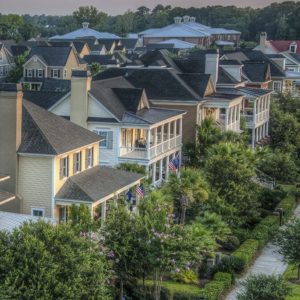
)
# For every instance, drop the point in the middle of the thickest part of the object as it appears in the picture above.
(96, 183)
(256, 71)
(46, 133)
(52, 56)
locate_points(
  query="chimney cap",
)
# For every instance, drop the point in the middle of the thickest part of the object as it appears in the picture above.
(10, 87)
(85, 24)
(81, 73)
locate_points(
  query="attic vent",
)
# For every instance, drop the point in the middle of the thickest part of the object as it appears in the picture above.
(186, 19)
(85, 25)
(177, 20)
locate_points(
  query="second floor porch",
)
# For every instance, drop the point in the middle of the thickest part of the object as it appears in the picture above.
(149, 143)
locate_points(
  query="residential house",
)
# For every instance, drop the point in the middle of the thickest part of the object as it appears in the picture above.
(50, 62)
(52, 162)
(6, 61)
(187, 29)
(131, 130)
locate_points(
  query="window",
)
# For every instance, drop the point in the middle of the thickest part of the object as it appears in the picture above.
(55, 73)
(293, 48)
(64, 167)
(65, 73)
(89, 158)
(38, 212)
(1, 71)
(29, 73)
(277, 86)
(77, 162)
(106, 138)
(40, 73)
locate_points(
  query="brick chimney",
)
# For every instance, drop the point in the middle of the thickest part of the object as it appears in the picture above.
(10, 132)
(80, 86)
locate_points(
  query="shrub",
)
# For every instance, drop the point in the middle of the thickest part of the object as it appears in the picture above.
(186, 276)
(231, 243)
(230, 264)
(247, 251)
(288, 204)
(132, 167)
(227, 278)
(264, 287)
(242, 234)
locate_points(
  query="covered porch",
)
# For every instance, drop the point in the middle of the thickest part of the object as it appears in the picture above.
(96, 188)
(148, 143)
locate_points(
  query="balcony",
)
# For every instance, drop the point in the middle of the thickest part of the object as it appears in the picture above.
(148, 153)
(232, 126)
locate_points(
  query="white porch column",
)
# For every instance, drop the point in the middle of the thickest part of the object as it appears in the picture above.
(148, 143)
(160, 169)
(180, 127)
(155, 140)
(162, 133)
(153, 172)
(254, 112)
(167, 167)
(169, 134)
(253, 138)
(226, 118)
(103, 211)
(175, 128)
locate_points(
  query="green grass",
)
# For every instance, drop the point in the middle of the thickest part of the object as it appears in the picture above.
(291, 273)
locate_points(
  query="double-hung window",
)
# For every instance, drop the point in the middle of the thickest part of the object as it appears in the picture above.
(277, 86)
(64, 167)
(106, 138)
(89, 157)
(77, 162)
(40, 73)
(55, 73)
(29, 73)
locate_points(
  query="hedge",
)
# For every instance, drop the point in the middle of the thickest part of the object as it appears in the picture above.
(247, 251)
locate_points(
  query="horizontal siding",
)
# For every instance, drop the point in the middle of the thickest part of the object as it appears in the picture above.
(35, 183)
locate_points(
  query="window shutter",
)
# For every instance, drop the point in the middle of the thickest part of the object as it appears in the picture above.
(61, 175)
(109, 139)
(25, 72)
(43, 73)
(58, 73)
(74, 163)
(51, 73)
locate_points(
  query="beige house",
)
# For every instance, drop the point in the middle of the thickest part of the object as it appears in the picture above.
(56, 163)
(50, 62)
(6, 61)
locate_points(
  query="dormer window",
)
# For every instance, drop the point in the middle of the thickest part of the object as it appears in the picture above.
(293, 47)
(177, 20)
(186, 19)
(55, 73)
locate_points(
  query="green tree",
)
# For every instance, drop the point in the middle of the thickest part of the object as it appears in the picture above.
(264, 287)
(89, 14)
(96, 68)
(16, 72)
(43, 261)
(288, 241)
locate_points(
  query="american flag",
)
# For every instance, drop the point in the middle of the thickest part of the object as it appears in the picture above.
(140, 191)
(172, 165)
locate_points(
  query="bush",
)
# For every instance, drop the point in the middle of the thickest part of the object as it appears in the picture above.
(186, 276)
(288, 204)
(231, 243)
(264, 287)
(247, 251)
(135, 168)
(242, 234)
(265, 229)
(230, 264)
(218, 286)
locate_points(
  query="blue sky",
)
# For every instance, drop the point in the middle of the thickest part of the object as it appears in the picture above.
(113, 7)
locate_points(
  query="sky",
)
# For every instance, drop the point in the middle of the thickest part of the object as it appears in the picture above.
(112, 7)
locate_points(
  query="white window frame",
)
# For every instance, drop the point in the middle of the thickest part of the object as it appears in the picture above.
(100, 132)
(40, 209)
(65, 168)
(90, 157)
(30, 73)
(279, 84)
(65, 73)
(77, 162)
(53, 73)
(40, 75)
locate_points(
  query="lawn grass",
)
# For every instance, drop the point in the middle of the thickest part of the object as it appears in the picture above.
(291, 273)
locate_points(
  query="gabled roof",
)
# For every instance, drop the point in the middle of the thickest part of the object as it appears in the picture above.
(130, 43)
(104, 60)
(48, 134)
(284, 45)
(225, 78)
(96, 183)
(52, 56)
(108, 43)
(257, 71)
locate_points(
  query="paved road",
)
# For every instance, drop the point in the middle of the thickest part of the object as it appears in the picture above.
(268, 262)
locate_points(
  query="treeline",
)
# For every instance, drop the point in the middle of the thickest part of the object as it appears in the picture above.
(279, 20)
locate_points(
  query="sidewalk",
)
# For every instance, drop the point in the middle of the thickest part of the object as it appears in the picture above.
(269, 262)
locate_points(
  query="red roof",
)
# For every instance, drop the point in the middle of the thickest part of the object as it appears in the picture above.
(282, 46)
